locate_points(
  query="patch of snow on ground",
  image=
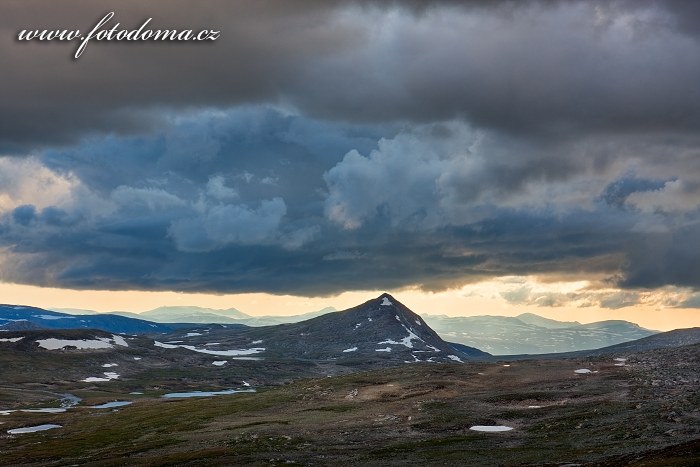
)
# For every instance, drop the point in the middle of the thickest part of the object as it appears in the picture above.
(354, 349)
(119, 340)
(222, 353)
(165, 346)
(419, 323)
(583, 371)
(109, 375)
(246, 384)
(434, 348)
(137, 358)
(386, 302)
(193, 334)
(257, 342)
(109, 365)
(33, 429)
(491, 429)
(219, 362)
(389, 341)
(455, 358)
(620, 359)
(49, 317)
(369, 319)
(55, 344)
(358, 325)
(11, 339)
(397, 318)
(386, 349)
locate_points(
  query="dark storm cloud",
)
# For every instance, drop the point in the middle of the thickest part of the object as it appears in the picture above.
(670, 257)
(251, 214)
(324, 146)
(516, 66)
(617, 192)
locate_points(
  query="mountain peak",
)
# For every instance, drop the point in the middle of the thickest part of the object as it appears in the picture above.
(386, 299)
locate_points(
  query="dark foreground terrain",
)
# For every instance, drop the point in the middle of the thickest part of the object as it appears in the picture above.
(644, 411)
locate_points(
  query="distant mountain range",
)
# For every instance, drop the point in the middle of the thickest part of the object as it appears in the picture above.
(18, 318)
(379, 331)
(527, 333)
(533, 334)
(195, 314)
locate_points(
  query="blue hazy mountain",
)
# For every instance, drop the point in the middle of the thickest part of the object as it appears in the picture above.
(533, 334)
(17, 317)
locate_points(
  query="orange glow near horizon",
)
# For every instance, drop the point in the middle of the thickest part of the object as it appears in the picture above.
(471, 300)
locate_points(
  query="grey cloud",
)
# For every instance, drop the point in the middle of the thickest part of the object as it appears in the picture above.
(670, 257)
(225, 223)
(616, 193)
(24, 214)
(523, 67)
(603, 298)
(433, 205)
(693, 301)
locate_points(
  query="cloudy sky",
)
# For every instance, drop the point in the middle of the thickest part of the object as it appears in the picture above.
(470, 157)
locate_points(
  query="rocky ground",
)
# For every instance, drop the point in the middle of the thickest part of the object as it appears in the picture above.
(642, 411)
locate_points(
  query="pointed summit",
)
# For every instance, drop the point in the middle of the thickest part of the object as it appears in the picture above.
(381, 331)
(386, 300)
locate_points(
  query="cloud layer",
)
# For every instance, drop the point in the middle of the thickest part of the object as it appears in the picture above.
(327, 146)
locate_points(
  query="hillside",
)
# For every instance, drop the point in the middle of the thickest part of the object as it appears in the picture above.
(381, 329)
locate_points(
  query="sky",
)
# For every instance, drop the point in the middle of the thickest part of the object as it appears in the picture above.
(483, 157)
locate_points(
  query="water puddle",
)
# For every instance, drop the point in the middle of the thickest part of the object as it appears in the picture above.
(183, 395)
(33, 429)
(111, 405)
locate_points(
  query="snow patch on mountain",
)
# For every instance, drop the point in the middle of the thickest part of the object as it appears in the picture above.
(223, 353)
(50, 317)
(406, 341)
(97, 343)
(11, 339)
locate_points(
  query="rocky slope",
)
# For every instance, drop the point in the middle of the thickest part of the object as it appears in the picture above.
(381, 329)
